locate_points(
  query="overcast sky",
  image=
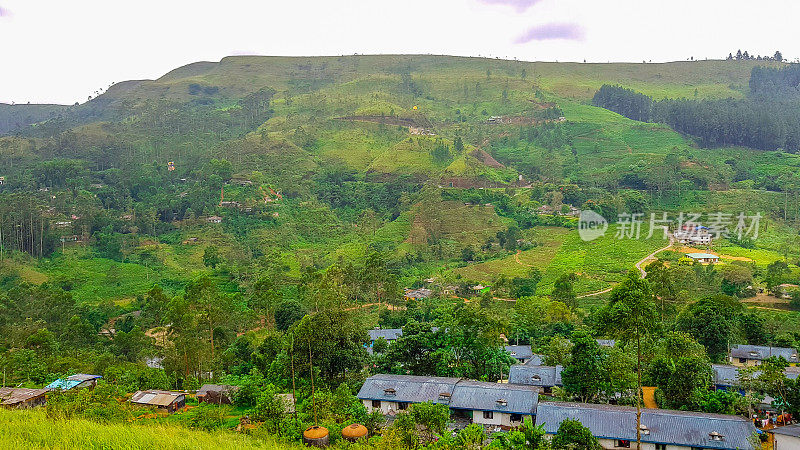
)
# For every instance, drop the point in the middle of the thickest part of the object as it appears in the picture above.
(61, 51)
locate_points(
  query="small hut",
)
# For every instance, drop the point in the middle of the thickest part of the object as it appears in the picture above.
(22, 398)
(170, 401)
(316, 436)
(218, 394)
(77, 381)
(354, 432)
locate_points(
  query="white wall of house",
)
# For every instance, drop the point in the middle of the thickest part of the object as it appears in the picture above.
(498, 418)
(786, 442)
(477, 417)
(386, 407)
(611, 444)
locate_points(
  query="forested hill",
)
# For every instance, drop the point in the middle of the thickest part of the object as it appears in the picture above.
(767, 119)
(18, 117)
(295, 157)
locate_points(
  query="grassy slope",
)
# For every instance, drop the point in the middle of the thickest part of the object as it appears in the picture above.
(312, 92)
(32, 430)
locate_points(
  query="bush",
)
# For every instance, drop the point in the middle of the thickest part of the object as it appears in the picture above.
(104, 403)
(207, 417)
(572, 434)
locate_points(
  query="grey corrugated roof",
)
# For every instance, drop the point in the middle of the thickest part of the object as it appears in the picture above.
(665, 427)
(83, 377)
(14, 396)
(789, 430)
(407, 388)
(389, 334)
(761, 352)
(725, 375)
(484, 396)
(520, 351)
(543, 376)
(155, 397)
(606, 342)
(536, 360)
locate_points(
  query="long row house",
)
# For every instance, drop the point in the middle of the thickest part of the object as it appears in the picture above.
(507, 405)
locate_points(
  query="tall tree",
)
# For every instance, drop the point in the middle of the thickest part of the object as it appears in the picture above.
(584, 375)
(630, 315)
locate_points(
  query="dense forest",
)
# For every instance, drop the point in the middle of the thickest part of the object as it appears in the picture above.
(769, 119)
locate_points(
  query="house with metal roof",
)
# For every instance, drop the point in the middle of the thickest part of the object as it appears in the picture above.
(389, 334)
(170, 401)
(217, 394)
(494, 404)
(615, 426)
(490, 404)
(703, 258)
(545, 378)
(393, 393)
(752, 355)
(417, 294)
(22, 398)
(536, 360)
(606, 342)
(521, 353)
(77, 381)
(786, 438)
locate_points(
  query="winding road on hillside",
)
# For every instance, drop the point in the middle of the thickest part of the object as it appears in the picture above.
(638, 266)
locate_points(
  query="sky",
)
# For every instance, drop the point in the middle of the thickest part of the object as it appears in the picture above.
(62, 51)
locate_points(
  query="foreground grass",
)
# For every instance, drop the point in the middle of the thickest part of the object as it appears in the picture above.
(32, 429)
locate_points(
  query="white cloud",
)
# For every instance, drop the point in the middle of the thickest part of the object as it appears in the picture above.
(62, 51)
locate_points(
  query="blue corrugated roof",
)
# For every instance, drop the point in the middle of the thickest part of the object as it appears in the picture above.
(71, 381)
(63, 384)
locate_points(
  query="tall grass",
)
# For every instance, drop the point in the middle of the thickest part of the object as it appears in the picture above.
(32, 430)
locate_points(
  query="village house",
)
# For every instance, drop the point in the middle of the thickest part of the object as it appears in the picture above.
(606, 342)
(77, 381)
(214, 219)
(389, 334)
(391, 394)
(615, 427)
(217, 394)
(726, 377)
(544, 378)
(693, 234)
(703, 258)
(494, 404)
(786, 438)
(752, 355)
(170, 401)
(522, 353)
(486, 403)
(417, 294)
(2, 181)
(22, 398)
(536, 360)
